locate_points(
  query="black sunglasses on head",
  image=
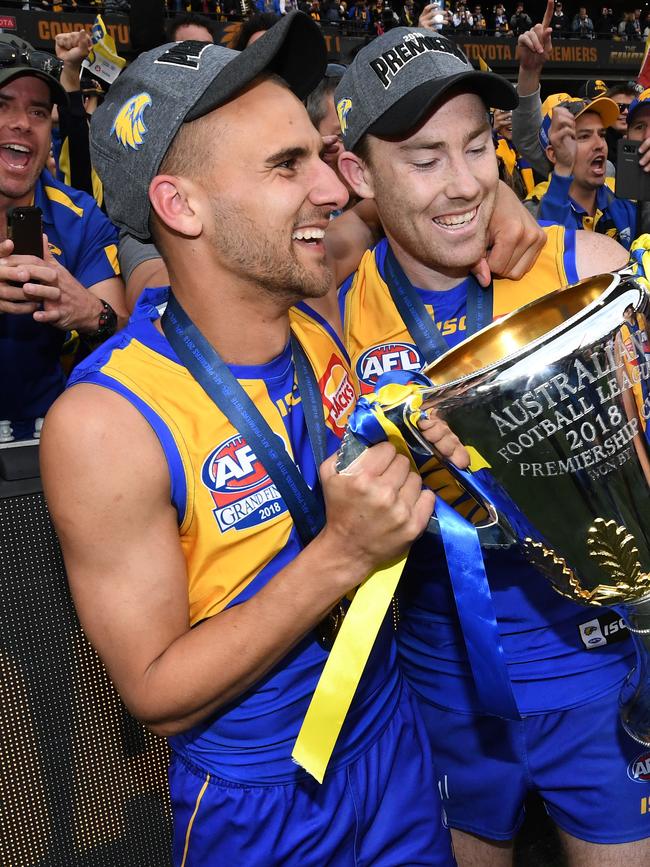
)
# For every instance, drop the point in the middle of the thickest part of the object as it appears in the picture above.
(12, 55)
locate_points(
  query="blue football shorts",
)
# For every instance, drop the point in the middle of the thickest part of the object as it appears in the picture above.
(381, 810)
(593, 778)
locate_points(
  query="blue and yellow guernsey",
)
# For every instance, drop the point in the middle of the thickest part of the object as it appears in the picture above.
(84, 241)
(547, 661)
(236, 532)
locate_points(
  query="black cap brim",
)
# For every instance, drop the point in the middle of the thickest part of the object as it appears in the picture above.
(408, 112)
(59, 96)
(294, 49)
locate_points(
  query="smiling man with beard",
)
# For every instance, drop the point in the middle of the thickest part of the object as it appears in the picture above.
(414, 119)
(203, 459)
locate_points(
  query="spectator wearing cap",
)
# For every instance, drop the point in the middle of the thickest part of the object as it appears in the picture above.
(76, 285)
(577, 196)
(638, 117)
(638, 129)
(592, 89)
(559, 21)
(534, 48)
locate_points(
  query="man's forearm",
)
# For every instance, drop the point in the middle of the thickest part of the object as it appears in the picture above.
(526, 122)
(209, 666)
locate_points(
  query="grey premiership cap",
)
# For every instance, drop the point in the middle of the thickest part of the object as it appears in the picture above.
(132, 130)
(394, 82)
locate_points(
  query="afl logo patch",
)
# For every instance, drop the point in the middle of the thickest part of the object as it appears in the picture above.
(386, 357)
(338, 394)
(243, 493)
(639, 768)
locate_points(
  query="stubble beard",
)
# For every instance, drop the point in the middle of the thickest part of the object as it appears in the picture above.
(246, 250)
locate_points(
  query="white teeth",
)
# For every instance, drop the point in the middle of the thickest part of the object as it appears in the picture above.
(16, 147)
(308, 234)
(455, 219)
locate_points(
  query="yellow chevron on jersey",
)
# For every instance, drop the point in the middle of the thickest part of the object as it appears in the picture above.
(224, 483)
(375, 335)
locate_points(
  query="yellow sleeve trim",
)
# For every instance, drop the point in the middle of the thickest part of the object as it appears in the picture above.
(111, 255)
(60, 197)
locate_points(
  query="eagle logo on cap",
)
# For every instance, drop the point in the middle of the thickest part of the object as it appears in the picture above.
(129, 128)
(343, 107)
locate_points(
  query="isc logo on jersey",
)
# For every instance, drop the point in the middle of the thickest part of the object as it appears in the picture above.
(338, 394)
(639, 768)
(386, 357)
(243, 493)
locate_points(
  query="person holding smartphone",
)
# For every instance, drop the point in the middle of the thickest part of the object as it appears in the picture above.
(71, 281)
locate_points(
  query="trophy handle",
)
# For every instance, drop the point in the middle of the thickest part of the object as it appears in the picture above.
(496, 533)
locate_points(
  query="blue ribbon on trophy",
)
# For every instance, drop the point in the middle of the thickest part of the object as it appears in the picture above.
(461, 544)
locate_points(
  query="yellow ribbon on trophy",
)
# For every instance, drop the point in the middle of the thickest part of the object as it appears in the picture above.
(347, 659)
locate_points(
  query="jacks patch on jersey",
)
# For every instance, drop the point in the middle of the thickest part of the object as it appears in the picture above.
(338, 395)
(384, 357)
(243, 493)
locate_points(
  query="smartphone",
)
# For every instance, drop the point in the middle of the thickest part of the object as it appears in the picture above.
(631, 181)
(26, 231)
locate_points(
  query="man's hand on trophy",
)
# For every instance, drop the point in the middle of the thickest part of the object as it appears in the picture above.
(375, 508)
(562, 137)
(438, 434)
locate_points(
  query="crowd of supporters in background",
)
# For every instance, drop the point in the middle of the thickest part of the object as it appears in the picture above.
(463, 18)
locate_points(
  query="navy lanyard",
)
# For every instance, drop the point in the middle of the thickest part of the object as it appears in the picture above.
(419, 324)
(215, 378)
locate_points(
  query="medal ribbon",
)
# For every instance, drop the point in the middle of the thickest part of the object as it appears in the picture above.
(410, 306)
(343, 669)
(214, 376)
(348, 657)
(469, 581)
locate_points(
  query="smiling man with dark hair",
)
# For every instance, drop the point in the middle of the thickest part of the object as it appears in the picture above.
(75, 283)
(419, 145)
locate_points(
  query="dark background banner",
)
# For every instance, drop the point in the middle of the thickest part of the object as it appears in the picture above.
(595, 58)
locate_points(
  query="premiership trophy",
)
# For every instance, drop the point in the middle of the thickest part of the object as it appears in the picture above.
(553, 402)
